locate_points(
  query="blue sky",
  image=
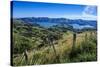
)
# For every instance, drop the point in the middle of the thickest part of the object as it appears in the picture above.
(53, 10)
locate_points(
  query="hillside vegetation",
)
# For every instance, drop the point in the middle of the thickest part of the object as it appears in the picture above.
(34, 44)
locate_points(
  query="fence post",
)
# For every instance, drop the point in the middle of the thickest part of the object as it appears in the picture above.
(26, 56)
(74, 41)
(86, 38)
(72, 53)
(54, 49)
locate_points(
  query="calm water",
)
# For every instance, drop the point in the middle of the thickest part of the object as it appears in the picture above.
(75, 26)
(46, 24)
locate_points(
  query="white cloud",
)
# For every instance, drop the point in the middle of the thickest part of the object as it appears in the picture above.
(89, 12)
(84, 17)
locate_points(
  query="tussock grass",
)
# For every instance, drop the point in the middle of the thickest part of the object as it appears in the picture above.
(85, 50)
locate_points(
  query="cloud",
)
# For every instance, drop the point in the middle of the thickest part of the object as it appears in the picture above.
(90, 12)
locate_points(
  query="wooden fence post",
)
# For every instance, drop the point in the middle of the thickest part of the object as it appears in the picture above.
(86, 37)
(74, 41)
(72, 53)
(26, 56)
(50, 38)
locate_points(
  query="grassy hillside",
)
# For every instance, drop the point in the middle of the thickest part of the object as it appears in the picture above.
(33, 44)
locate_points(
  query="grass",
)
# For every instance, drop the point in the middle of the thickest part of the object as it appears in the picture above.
(85, 50)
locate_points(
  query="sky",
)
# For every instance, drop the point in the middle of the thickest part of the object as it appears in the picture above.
(53, 10)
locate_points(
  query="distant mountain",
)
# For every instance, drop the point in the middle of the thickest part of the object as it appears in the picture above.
(48, 22)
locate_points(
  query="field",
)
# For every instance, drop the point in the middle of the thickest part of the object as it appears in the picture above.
(50, 46)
